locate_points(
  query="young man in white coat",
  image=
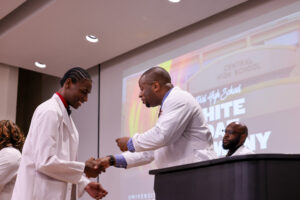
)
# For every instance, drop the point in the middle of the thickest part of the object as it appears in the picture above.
(179, 135)
(234, 138)
(48, 168)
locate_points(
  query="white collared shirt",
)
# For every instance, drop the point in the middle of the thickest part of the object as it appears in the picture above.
(242, 150)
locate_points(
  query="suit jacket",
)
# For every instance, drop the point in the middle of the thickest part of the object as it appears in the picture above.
(48, 167)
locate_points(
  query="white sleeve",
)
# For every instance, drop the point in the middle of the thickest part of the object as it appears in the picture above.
(169, 127)
(9, 163)
(47, 161)
(84, 181)
(138, 158)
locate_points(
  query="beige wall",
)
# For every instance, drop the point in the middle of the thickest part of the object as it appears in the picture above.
(8, 91)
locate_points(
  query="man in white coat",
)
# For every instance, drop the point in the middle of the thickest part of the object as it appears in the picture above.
(180, 135)
(48, 168)
(234, 139)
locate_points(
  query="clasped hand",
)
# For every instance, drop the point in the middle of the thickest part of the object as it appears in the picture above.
(94, 167)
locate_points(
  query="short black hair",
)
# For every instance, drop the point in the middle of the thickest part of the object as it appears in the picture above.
(244, 129)
(75, 74)
(158, 74)
(241, 126)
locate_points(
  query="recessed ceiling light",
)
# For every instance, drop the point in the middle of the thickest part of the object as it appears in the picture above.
(91, 38)
(174, 1)
(40, 65)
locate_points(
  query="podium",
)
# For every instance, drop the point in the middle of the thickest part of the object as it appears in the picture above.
(247, 177)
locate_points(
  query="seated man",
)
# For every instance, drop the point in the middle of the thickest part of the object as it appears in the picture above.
(234, 138)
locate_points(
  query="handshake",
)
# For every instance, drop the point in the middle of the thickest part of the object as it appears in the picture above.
(94, 167)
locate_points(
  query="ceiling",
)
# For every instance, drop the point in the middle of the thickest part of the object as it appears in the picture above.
(53, 32)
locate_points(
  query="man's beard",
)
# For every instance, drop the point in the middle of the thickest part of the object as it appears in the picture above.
(231, 145)
(147, 104)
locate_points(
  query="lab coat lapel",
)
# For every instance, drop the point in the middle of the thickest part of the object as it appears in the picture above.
(67, 120)
(66, 117)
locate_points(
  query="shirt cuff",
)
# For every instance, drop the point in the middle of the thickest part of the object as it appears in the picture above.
(130, 146)
(120, 161)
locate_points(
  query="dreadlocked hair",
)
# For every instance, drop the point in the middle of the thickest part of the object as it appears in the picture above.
(75, 74)
(11, 135)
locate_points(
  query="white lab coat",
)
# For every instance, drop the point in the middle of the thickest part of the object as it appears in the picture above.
(179, 136)
(9, 163)
(48, 167)
(242, 150)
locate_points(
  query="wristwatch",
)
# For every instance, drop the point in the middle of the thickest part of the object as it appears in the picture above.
(112, 160)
